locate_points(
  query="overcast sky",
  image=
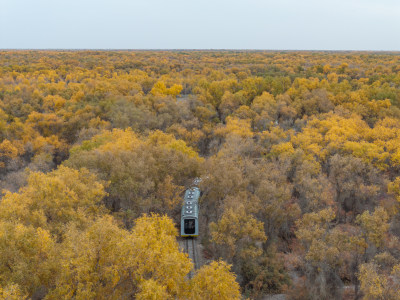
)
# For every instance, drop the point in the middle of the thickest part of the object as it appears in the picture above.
(201, 24)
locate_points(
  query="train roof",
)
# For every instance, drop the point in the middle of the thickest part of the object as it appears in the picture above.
(190, 211)
(192, 194)
(190, 205)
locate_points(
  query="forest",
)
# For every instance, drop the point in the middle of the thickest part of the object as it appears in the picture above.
(298, 154)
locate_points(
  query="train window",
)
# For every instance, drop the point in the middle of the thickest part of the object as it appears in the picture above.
(190, 226)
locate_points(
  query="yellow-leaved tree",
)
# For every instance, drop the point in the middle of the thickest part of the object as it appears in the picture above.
(146, 174)
(238, 232)
(108, 262)
(27, 257)
(214, 281)
(11, 292)
(33, 220)
(105, 261)
(375, 284)
(52, 200)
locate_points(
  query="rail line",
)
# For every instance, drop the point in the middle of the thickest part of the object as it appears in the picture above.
(190, 247)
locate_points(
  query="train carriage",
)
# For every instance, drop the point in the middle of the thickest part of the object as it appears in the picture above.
(190, 213)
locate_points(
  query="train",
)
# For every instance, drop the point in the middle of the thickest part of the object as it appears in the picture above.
(190, 212)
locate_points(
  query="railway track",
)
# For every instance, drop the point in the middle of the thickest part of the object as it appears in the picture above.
(190, 247)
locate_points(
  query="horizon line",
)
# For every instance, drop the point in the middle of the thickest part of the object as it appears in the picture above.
(192, 49)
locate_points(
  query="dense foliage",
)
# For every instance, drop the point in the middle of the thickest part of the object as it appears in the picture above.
(299, 155)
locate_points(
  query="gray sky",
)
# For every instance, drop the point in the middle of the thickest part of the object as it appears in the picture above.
(201, 24)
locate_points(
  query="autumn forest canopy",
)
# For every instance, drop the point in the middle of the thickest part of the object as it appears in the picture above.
(298, 152)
